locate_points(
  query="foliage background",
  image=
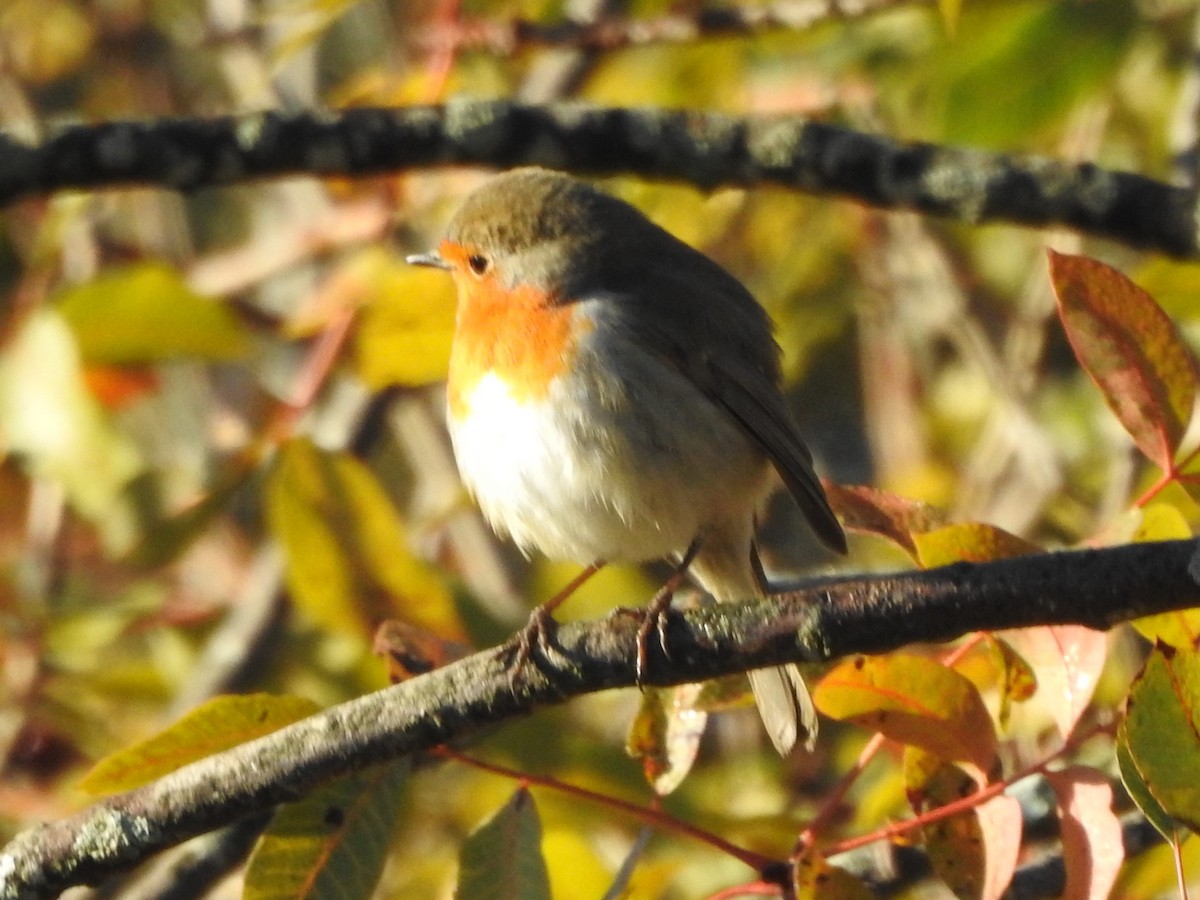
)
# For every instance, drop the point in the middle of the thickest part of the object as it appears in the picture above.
(170, 420)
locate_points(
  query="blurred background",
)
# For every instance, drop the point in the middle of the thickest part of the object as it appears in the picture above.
(222, 420)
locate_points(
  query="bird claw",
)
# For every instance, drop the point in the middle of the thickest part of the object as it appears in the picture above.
(655, 617)
(533, 643)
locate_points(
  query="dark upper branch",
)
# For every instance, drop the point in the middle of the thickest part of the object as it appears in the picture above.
(819, 621)
(705, 149)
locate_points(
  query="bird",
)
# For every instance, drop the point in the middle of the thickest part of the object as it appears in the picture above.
(614, 395)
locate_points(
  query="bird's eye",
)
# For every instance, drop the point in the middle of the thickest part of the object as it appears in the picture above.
(479, 264)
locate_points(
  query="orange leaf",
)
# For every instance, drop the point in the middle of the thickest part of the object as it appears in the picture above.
(913, 700)
(1131, 349)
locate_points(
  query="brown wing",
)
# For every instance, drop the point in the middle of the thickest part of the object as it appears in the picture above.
(730, 354)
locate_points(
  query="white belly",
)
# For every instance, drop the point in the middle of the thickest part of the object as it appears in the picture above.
(607, 471)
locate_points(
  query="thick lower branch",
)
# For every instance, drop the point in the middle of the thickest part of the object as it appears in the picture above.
(819, 621)
(706, 149)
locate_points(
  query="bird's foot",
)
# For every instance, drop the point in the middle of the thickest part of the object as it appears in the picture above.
(534, 643)
(654, 619)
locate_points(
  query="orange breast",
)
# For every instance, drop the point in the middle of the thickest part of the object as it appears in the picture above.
(521, 336)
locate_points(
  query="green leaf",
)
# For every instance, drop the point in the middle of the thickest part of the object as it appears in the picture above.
(913, 700)
(332, 844)
(503, 860)
(216, 725)
(1139, 791)
(348, 563)
(1131, 349)
(146, 312)
(1160, 731)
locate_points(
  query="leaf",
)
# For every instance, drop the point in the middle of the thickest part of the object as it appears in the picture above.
(333, 843)
(968, 542)
(212, 727)
(1139, 791)
(1160, 730)
(407, 323)
(1019, 681)
(1132, 351)
(870, 511)
(348, 563)
(913, 700)
(146, 312)
(665, 735)
(503, 860)
(1093, 846)
(1068, 660)
(813, 878)
(1181, 627)
(48, 417)
(974, 852)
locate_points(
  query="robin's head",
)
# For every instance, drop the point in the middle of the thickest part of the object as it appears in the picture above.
(536, 228)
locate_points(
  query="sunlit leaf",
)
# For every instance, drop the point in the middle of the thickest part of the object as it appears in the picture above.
(1161, 730)
(1068, 660)
(407, 322)
(1019, 681)
(968, 542)
(1093, 847)
(665, 735)
(48, 417)
(146, 312)
(871, 511)
(503, 860)
(332, 844)
(913, 700)
(348, 562)
(1131, 349)
(216, 725)
(1181, 627)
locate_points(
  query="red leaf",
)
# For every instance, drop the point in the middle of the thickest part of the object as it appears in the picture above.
(1131, 349)
(871, 511)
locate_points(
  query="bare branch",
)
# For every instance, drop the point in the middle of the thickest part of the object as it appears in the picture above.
(705, 149)
(818, 621)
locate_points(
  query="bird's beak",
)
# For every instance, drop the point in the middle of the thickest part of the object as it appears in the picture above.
(433, 259)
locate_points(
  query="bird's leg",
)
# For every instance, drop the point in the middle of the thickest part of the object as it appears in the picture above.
(539, 630)
(659, 609)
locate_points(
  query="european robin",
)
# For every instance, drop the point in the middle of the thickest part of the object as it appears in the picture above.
(614, 395)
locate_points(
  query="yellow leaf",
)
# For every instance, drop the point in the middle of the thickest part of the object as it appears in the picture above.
(146, 312)
(1180, 628)
(913, 700)
(968, 542)
(217, 725)
(349, 566)
(407, 323)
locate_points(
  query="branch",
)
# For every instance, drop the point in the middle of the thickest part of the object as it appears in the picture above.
(815, 622)
(705, 149)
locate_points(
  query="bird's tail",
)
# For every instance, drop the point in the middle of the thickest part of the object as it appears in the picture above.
(724, 568)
